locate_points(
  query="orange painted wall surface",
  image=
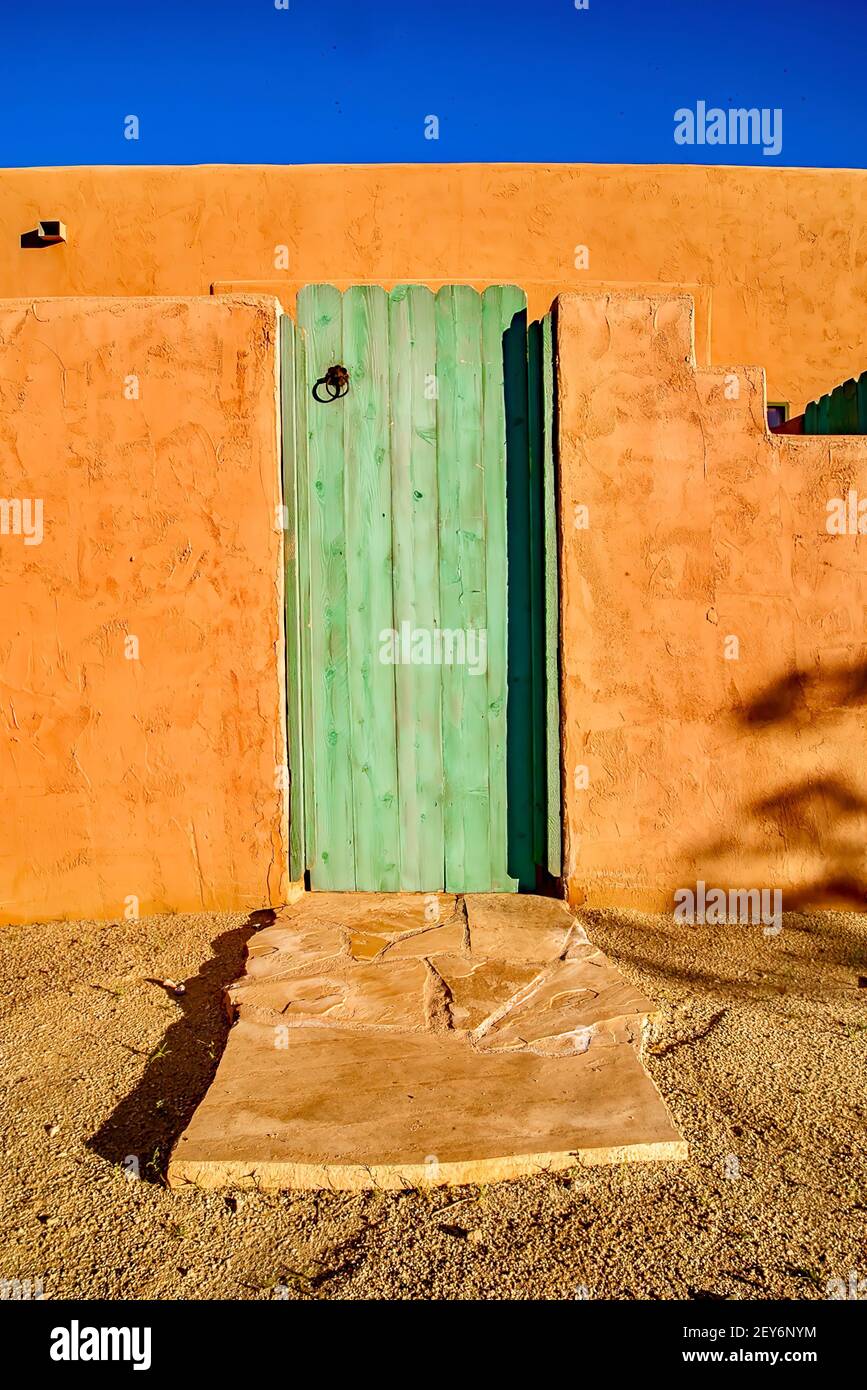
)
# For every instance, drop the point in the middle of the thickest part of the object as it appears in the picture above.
(152, 778)
(746, 772)
(779, 255)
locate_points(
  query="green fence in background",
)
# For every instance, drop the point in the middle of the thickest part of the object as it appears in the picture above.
(841, 411)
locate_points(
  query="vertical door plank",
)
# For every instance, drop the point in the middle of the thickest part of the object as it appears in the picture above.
(304, 611)
(500, 304)
(413, 383)
(367, 460)
(552, 604)
(463, 606)
(824, 414)
(846, 408)
(333, 866)
(537, 588)
(294, 699)
(519, 731)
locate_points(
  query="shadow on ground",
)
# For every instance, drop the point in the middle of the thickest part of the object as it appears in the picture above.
(181, 1068)
(820, 954)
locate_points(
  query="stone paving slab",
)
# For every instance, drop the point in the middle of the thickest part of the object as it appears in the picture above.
(386, 1040)
(479, 987)
(387, 995)
(565, 1008)
(357, 1110)
(518, 926)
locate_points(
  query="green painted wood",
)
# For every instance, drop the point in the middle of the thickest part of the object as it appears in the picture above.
(466, 805)
(862, 403)
(843, 415)
(333, 861)
(415, 530)
(552, 606)
(294, 695)
(304, 610)
(402, 526)
(535, 400)
(500, 305)
(370, 611)
(824, 414)
(850, 395)
(836, 411)
(519, 730)
(841, 411)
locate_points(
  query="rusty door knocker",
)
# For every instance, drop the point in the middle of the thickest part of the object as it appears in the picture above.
(336, 384)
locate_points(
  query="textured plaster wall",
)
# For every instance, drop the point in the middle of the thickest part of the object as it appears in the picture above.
(746, 772)
(778, 256)
(151, 778)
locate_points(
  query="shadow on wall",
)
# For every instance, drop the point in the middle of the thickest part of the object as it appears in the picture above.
(817, 820)
(147, 1123)
(533, 811)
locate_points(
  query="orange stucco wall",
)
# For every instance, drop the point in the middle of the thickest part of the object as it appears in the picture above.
(739, 764)
(147, 776)
(776, 258)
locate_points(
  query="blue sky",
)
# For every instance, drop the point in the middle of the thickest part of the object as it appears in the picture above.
(341, 82)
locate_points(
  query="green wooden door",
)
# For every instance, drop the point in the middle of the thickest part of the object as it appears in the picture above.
(398, 649)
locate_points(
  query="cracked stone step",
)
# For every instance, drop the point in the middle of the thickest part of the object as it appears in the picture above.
(387, 995)
(565, 1008)
(372, 1047)
(355, 1110)
(517, 927)
(479, 988)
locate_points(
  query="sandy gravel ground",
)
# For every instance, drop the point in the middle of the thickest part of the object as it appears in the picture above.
(760, 1049)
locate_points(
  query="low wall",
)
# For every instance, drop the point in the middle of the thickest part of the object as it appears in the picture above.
(714, 631)
(714, 641)
(141, 660)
